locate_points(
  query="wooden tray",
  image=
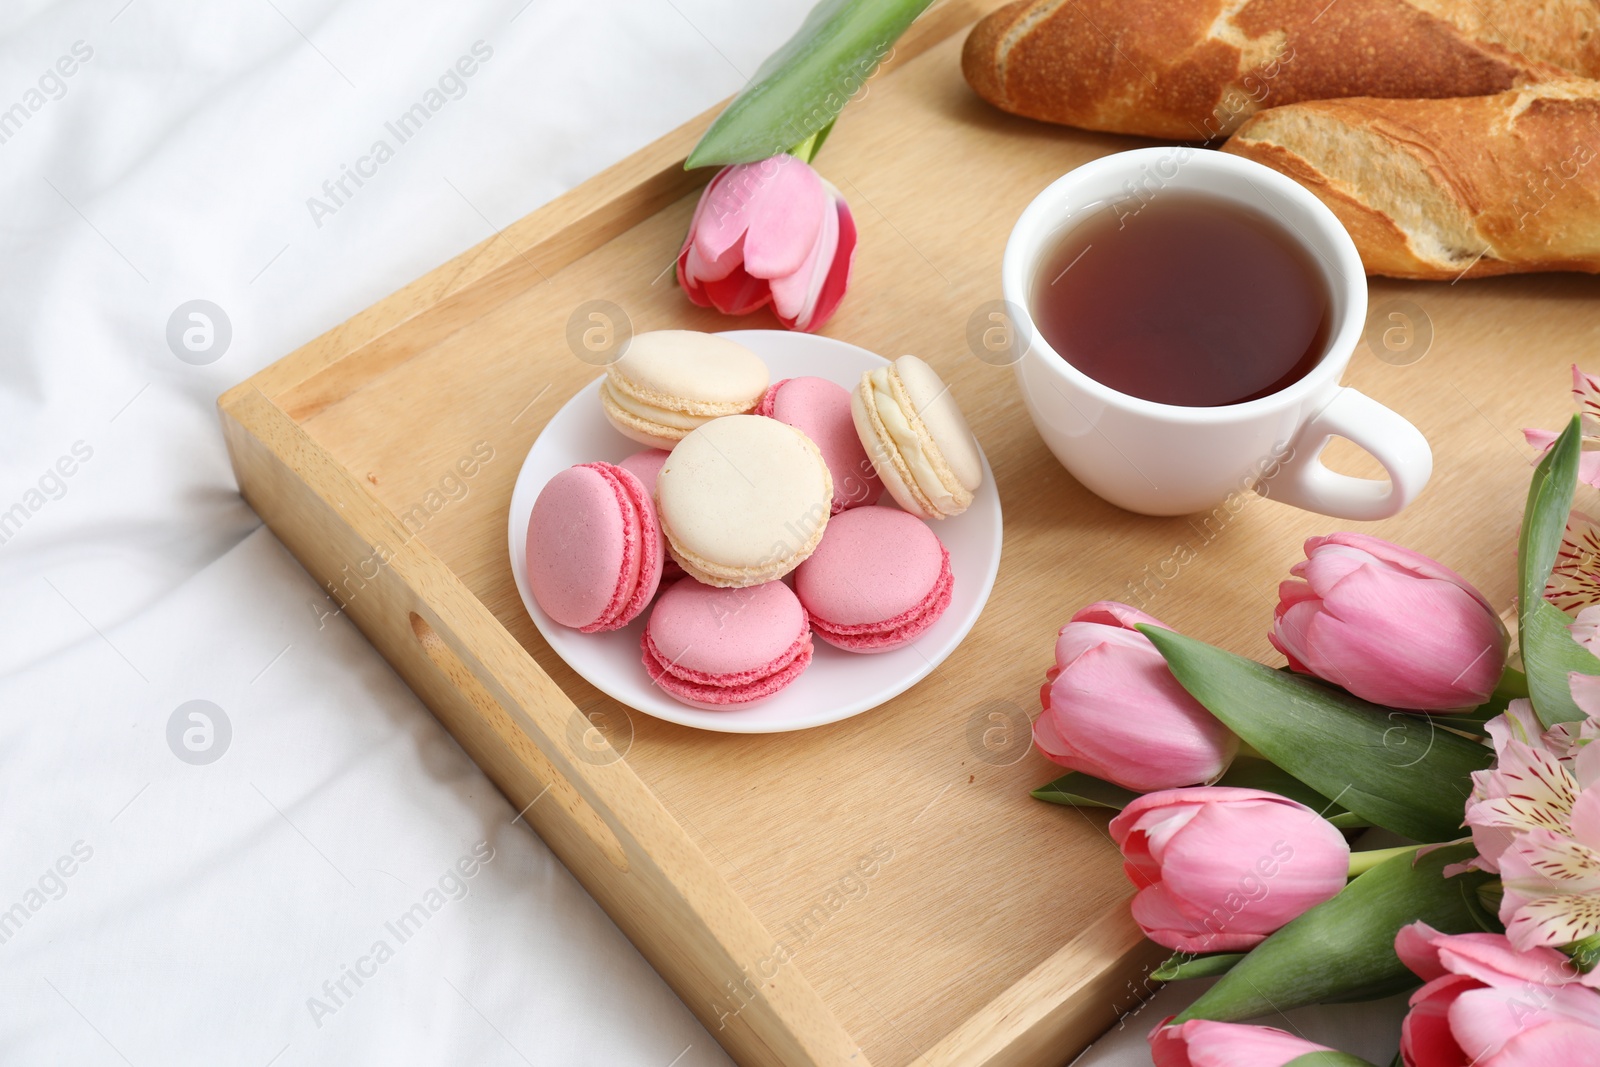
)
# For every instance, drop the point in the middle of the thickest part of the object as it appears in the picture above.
(882, 890)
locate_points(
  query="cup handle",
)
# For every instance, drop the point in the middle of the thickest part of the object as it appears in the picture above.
(1305, 482)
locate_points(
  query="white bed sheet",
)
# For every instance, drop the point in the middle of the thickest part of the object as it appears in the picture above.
(178, 912)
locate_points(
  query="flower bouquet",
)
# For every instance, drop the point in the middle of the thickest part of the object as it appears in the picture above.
(1403, 707)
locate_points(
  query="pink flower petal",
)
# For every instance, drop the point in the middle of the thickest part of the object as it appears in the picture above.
(1425, 1038)
(1403, 641)
(1076, 638)
(1494, 961)
(1165, 925)
(688, 283)
(719, 220)
(784, 208)
(701, 269)
(1291, 632)
(1589, 467)
(1585, 391)
(1540, 439)
(1112, 613)
(1404, 559)
(838, 279)
(1417, 946)
(794, 296)
(1254, 866)
(1484, 1021)
(1204, 1043)
(1564, 1042)
(1118, 713)
(1160, 825)
(1519, 722)
(738, 293)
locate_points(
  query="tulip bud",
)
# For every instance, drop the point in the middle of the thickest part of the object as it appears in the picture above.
(1113, 710)
(1218, 868)
(772, 232)
(1203, 1043)
(1389, 626)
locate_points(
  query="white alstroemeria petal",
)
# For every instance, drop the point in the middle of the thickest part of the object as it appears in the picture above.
(1529, 790)
(1575, 581)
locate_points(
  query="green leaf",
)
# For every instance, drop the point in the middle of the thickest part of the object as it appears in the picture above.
(807, 150)
(1187, 965)
(1513, 686)
(1331, 1058)
(1544, 520)
(1549, 654)
(1085, 791)
(803, 86)
(1398, 770)
(1247, 773)
(1343, 949)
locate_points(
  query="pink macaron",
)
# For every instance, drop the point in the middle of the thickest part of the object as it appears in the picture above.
(594, 547)
(879, 579)
(726, 649)
(820, 409)
(646, 466)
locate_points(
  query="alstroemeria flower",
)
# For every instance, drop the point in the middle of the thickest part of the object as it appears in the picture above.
(773, 232)
(1535, 819)
(1586, 394)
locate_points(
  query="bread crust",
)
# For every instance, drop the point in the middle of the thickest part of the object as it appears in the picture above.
(1197, 69)
(1445, 189)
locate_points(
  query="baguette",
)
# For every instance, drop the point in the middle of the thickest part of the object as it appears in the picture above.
(1449, 188)
(1197, 69)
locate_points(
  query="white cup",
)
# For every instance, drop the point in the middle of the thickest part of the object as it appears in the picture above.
(1164, 459)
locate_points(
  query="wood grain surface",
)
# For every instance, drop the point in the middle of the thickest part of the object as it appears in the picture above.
(931, 912)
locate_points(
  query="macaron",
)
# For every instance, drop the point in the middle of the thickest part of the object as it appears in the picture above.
(917, 438)
(669, 382)
(594, 547)
(725, 649)
(820, 409)
(743, 500)
(646, 466)
(879, 579)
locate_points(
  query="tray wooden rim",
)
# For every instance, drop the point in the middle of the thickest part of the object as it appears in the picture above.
(605, 823)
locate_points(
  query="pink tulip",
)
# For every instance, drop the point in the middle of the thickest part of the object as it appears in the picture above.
(1204, 1043)
(1389, 625)
(1490, 1005)
(1218, 869)
(769, 232)
(1113, 710)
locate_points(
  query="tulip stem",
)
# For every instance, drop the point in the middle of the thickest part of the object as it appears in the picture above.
(1362, 862)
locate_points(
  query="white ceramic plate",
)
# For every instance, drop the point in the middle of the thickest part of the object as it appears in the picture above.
(838, 684)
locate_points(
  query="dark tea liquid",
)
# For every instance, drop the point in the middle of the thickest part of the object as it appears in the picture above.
(1184, 299)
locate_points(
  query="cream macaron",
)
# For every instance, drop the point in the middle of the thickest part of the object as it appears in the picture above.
(743, 500)
(917, 438)
(669, 382)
